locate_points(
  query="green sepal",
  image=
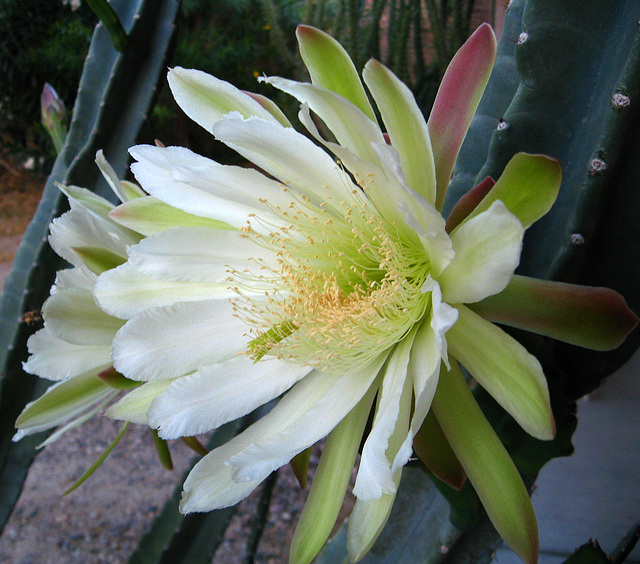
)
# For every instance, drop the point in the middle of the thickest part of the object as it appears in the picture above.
(331, 67)
(330, 483)
(300, 466)
(491, 471)
(148, 215)
(89, 472)
(164, 454)
(528, 187)
(195, 445)
(98, 259)
(467, 203)
(589, 317)
(432, 448)
(62, 401)
(117, 381)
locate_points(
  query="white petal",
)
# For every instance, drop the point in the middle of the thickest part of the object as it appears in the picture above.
(443, 316)
(73, 316)
(199, 254)
(217, 394)
(167, 342)
(424, 367)
(487, 251)
(288, 156)
(430, 227)
(124, 292)
(78, 277)
(351, 127)
(55, 359)
(133, 407)
(310, 410)
(203, 187)
(370, 515)
(110, 176)
(374, 475)
(80, 228)
(205, 98)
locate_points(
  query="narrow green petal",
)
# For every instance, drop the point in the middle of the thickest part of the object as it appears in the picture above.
(89, 472)
(330, 483)
(528, 186)
(97, 259)
(589, 317)
(369, 516)
(504, 368)
(300, 466)
(133, 407)
(406, 126)
(87, 199)
(63, 401)
(162, 449)
(456, 102)
(433, 449)
(487, 463)
(331, 67)
(468, 202)
(148, 216)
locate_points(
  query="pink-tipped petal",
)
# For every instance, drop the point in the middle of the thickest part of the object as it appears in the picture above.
(589, 317)
(456, 102)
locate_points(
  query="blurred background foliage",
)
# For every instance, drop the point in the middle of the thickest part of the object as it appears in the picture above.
(237, 40)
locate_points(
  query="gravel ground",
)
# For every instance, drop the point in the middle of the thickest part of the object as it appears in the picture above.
(103, 520)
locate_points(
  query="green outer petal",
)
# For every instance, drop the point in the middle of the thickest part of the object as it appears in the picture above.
(456, 102)
(406, 126)
(133, 406)
(504, 368)
(369, 516)
(528, 186)
(330, 483)
(63, 401)
(433, 449)
(97, 259)
(87, 199)
(205, 98)
(589, 317)
(487, 463)
(331, 67)
(149, 215)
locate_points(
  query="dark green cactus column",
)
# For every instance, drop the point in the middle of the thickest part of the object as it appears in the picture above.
(114, 96)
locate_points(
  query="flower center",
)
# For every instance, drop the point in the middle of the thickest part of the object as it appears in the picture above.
(346, 288)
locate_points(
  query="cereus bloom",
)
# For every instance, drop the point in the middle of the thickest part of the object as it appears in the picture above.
(330, 278)
(73, 347)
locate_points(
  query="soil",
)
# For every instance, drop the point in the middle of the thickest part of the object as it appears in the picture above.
(103, 520)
